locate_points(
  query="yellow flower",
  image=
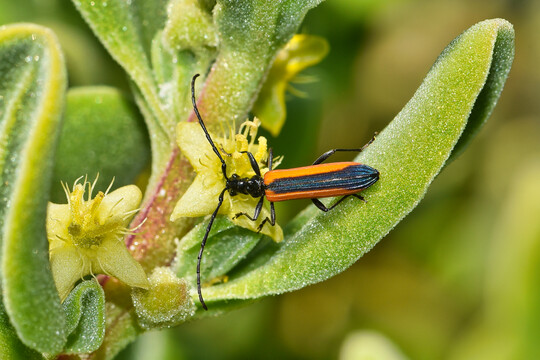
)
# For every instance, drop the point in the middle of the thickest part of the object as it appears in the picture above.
(201, 198)
(85, 236)
(300, 52)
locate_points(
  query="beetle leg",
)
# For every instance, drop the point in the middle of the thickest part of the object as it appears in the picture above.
(329, 153)
(321, 206)
(201, 251)
(256, 214)
(272, 218)
(253, 162)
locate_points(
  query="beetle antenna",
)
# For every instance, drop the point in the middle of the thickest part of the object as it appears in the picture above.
(203, 243)
(194, 102)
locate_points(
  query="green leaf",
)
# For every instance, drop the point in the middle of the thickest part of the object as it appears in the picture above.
(226, 246)
(11, 346)
(31, 99)
(126, 29)
(85, 317)
(268, 24)
(409, 153)
(105, 129)
(503, 55)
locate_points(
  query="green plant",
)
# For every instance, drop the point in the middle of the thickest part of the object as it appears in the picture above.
(161, 45)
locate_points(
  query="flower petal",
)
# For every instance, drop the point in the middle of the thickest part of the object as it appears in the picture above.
(119, 203)
(113, 258)
(67, 267)
(195, 147)
(300, 52)
(200, 199)
(58, 218)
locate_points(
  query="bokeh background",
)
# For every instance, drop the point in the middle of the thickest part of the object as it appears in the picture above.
(459, 278)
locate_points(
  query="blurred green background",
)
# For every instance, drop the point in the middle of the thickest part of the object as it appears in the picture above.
(458, 278)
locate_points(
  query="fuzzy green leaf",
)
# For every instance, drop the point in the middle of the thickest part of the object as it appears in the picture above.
(503, 55)
(93, 119)
(250, 32)
(226, 246)
(127, 29)
(409, 153)
(247, 23)
(85, 317)
(31, 99)
(11, 346)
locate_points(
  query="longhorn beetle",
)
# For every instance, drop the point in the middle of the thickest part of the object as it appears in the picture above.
(308, 182)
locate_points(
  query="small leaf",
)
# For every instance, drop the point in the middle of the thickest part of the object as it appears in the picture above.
(226, 246)
(409, 153)
(31, 99)
(85, 317)
(102, 127)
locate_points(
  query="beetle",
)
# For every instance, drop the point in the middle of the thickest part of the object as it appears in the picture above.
(309, 182)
